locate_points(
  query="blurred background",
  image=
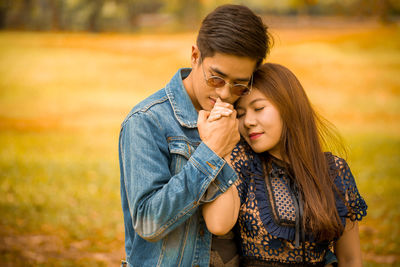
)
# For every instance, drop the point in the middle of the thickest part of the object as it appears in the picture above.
(71, 70)
(136, 15)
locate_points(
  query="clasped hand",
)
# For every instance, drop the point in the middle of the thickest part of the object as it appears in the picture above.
(218, 128)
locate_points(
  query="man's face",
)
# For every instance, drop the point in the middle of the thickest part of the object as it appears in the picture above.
(233, 69)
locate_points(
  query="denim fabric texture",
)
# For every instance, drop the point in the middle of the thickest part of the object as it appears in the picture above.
(166, 174)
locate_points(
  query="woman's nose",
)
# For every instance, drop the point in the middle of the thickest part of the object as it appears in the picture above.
(249, 120)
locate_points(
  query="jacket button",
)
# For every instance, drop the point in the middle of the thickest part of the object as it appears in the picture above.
(201, 232)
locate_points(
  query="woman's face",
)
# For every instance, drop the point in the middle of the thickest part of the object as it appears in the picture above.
(260, 123)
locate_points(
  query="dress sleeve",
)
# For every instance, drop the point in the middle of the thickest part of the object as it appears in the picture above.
(240, 163)
(349, 202)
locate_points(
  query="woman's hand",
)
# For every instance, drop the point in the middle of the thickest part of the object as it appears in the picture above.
(221, 109)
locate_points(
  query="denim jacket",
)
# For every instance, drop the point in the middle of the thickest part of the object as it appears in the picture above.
(167, 172)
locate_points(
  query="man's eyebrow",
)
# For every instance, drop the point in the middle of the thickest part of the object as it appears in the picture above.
(224, 75)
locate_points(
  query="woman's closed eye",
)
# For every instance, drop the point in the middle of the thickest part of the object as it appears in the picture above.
(240, 114)
(259, 108)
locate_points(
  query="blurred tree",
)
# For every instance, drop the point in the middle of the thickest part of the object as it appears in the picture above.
(48, 15)
(136, 7)
(4, 8)
(187, 12)
(382, 9)
(86, 14)
(19, 14)
(122, 15)
(303, 7)
(57, 8)
(93, 22)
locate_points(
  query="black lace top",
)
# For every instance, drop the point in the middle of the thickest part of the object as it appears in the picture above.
(269, 210)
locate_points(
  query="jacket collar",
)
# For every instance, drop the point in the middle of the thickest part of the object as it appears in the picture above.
(180, 101)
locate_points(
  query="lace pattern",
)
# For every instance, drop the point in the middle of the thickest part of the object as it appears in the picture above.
(354, 206)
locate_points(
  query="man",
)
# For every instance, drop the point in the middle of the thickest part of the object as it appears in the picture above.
(169, 167)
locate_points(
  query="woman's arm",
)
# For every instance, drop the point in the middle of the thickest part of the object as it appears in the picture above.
(348, 250)
(221, 214)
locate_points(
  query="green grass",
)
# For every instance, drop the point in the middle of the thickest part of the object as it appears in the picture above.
(63, 97)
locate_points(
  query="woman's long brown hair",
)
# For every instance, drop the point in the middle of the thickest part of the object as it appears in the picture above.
(303, 134)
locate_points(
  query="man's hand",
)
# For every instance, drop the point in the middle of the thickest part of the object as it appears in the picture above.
(218, 129)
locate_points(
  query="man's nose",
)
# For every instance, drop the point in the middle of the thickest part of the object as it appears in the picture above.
(224, 92)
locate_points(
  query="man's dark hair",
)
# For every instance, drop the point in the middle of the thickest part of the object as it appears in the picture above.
(234, 30)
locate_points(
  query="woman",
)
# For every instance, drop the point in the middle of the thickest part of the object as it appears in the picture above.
(295, 205)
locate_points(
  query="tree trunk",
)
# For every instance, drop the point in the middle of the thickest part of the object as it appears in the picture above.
(93, 20)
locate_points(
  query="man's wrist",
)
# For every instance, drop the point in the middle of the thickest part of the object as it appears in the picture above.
(219, 152)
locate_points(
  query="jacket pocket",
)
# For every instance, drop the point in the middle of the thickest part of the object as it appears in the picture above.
(180, 151)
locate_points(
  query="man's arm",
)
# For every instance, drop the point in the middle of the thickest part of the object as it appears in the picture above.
(159, 201)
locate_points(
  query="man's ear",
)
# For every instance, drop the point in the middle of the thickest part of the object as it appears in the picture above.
(195, 57)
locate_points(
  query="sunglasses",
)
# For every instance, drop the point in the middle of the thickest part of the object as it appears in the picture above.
(237, 89)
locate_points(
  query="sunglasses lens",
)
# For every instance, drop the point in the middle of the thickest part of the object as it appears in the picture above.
(216, 81)
(240, 90)
(237, 89)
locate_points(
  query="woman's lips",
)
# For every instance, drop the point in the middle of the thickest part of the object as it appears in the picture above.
(254, 136)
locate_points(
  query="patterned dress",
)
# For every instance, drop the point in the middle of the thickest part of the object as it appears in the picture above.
(267, 229)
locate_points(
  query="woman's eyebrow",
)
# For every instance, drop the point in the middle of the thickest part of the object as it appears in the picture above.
(256, 100)
(251, 103)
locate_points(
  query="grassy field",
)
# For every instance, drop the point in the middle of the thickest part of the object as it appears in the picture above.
(63, 97)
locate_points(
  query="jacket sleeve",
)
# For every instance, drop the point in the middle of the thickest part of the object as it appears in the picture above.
(159, 201)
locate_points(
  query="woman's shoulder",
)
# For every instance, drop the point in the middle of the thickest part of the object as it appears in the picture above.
(350, 203)
(340, 172)
(335, 161)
